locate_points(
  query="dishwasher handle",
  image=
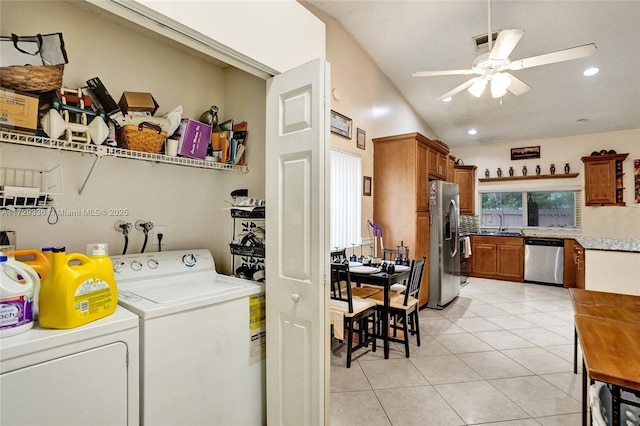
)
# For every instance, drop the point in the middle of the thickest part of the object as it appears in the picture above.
(548, 242)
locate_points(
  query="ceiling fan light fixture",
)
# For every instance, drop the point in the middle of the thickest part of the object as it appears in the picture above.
(477, 88)
(499, 85)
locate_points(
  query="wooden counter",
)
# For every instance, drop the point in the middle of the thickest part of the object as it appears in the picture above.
(611, 350)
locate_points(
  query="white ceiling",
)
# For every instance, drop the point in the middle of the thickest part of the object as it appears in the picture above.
(403, 37)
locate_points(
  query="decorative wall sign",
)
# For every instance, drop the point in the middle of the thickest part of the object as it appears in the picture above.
(636, 175)
(366, 186)
(525, 153)
(340, 125)
(361, 138)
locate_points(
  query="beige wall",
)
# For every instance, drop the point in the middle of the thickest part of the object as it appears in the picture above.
(189, 202)
(368, 98)
(609, 222)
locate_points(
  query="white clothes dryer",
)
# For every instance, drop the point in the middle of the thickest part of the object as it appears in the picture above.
(86, 375)
(202, 339)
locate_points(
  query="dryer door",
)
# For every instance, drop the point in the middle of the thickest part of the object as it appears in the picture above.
(88, 387)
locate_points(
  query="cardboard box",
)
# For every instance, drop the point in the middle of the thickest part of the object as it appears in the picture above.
(194, 138)
(137, 102)
(18, 111)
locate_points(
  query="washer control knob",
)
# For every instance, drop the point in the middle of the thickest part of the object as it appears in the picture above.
(189, 260)
(118, 267)
(152, 263)
(136, 265)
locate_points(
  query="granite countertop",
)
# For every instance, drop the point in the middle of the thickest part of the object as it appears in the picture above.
(610, 244)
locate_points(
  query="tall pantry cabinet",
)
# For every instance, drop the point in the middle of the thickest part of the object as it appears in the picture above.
(402, 166)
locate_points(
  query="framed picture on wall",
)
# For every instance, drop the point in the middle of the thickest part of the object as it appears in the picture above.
(340, 124)
(366, 186)
(361, 138)
(525, 153)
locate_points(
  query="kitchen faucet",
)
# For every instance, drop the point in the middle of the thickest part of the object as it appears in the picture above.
(501, 228)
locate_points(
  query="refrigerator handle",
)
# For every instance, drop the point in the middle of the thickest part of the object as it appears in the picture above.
(455, 223)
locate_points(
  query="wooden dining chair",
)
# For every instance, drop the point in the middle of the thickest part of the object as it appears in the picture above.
(403, 308)
(358, 314)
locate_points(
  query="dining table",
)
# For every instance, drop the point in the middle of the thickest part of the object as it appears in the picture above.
(384, 280)
(608, 327)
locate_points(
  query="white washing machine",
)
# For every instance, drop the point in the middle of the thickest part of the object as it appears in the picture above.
(86, 375)
(202, 339)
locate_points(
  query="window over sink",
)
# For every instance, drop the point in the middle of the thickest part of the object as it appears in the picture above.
(531, 209)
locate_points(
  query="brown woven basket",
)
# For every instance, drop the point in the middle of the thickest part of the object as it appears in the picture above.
(145, 137)
(32, 78)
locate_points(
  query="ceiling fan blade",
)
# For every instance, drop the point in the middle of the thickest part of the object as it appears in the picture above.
(517, 86)
(505, 43)
(558, 56)
(448, 72)
(458, 89)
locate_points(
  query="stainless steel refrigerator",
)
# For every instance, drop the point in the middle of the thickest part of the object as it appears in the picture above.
(444, 244)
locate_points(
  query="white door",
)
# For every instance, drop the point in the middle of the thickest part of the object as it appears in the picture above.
(297, 245)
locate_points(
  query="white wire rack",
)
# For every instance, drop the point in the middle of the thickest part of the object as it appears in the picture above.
(103, 150)
(29, 189)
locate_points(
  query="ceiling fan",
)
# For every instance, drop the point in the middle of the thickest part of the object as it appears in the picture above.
(493, 67)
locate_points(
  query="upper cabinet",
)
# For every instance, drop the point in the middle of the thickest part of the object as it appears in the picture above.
(438, 155)
(451, 162)
(603, 180)
(465, 177)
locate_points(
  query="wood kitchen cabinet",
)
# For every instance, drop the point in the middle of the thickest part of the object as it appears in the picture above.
(401, 172)
(438, 154)
(500, 258)
(603, 180)
(569, 264)
(451, 175)
(465, 177)
(579, 265)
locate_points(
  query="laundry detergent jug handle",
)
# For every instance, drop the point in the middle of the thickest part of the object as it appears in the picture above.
(84, 259)
(13, 282)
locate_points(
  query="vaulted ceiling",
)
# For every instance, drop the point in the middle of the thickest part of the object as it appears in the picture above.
(403, 37)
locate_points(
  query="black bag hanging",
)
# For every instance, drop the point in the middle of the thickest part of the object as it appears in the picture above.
(41, 49)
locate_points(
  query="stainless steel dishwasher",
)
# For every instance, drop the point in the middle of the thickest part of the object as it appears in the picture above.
(544, 260)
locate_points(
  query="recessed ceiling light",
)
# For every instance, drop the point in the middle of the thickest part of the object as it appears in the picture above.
(590, 71)
(472, 131)
(447, 99)
(582, 120)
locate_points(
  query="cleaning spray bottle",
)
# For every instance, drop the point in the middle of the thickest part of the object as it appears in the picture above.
(77, 290)
(16, 299)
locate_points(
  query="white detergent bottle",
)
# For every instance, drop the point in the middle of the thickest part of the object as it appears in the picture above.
(16, 299)
(27, 270)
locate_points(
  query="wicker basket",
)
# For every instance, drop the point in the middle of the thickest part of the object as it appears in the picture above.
(145, 137)
(32, 78)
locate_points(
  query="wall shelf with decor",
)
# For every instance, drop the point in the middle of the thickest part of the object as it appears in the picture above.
(509, 178)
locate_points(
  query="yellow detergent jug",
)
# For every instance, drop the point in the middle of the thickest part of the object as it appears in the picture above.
(16, 299)
(36, 259)
(74, 295)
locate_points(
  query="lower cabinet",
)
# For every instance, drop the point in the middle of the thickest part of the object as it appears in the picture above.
(499, 258)
(578, 260)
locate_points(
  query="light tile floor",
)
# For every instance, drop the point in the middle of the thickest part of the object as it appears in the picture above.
(500, 354)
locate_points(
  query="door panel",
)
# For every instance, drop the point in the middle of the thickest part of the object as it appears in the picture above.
(298, 247)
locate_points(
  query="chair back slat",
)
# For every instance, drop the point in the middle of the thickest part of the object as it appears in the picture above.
(341, 284)
(415, 278)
